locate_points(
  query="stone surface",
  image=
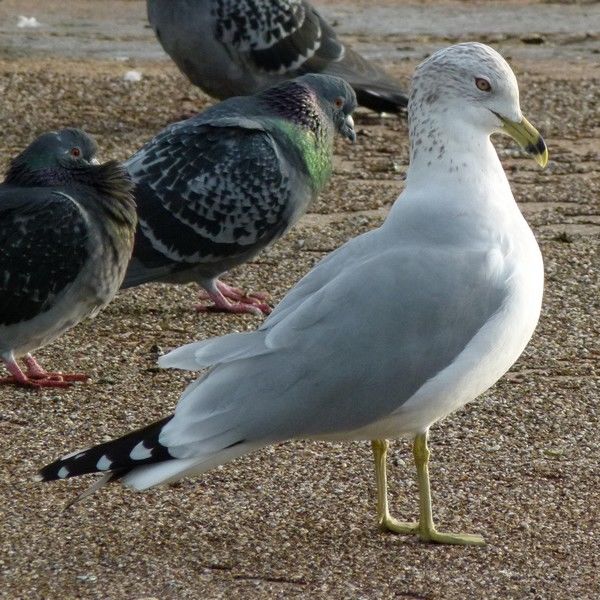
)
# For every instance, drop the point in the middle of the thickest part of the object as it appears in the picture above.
(520, 465)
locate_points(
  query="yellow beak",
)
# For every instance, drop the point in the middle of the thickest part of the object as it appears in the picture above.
(528, 137)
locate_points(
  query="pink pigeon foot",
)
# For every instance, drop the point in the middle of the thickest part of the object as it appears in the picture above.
(37, 377)
(221, 293)
(37, 372)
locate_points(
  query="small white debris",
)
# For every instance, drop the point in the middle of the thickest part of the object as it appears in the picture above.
(493, 448)
(132, 76)
(63, 472)
(27, 22)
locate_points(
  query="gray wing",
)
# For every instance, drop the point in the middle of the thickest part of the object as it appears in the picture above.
(386, 345)
(207, 193)
(44, 248)
(355, 251)
(367, 355)
(347, 356)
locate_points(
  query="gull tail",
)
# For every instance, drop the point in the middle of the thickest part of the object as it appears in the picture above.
(138, 460)
(116, 457)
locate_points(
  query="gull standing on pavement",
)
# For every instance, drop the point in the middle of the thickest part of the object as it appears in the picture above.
(390, 333)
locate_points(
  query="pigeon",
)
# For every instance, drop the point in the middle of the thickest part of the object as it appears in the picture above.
(67, 226)
(214, 190)
(238, 47)
(390, 333)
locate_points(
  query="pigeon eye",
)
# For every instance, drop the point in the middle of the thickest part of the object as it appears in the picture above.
(338, 102)
(483, 84)
(75, 152)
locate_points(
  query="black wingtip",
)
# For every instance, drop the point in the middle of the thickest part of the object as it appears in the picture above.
(114, 456)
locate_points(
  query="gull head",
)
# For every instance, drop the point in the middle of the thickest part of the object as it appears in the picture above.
(472, 86)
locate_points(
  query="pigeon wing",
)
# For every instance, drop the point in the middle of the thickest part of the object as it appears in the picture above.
(290, 37)
(44, 248)
(275, 37)
(209, 194)
(374, 88)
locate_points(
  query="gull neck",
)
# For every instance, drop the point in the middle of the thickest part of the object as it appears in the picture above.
(451, 151)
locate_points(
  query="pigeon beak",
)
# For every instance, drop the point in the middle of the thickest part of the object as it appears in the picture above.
(348, 129)
(528, 137)
(94, 161)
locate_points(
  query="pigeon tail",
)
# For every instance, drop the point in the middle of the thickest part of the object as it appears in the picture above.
(381, 100)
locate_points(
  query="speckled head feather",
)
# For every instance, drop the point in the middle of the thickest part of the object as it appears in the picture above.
(296, 103)
(442, 77)
(444, 93)
(309, 101)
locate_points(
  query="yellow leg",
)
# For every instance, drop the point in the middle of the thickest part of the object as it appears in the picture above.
(425, 528)
(384, 519)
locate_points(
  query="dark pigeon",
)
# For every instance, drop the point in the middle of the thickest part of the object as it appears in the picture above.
(67, 227)
(237, 47)
(214, 190)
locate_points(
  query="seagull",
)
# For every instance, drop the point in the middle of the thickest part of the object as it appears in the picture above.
(67, 227)
(237, 47)
(216, 189)
(390, 333)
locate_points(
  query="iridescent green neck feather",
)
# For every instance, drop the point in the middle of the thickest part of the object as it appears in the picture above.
(301, 119)
(315, 149)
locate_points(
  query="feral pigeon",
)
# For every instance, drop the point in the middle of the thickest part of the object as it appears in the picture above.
(67, 226)
(392, 332)
(214, 190)
(237, 47)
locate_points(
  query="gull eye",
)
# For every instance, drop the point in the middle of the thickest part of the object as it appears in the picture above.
(483, 84)
(75, 152)
(338, 102)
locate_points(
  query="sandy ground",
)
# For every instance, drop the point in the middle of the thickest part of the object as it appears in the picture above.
(520, 465)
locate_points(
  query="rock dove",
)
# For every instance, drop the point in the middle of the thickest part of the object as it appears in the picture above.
(67, 226)
(388, 334)
(237, 47)
(214, 190)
